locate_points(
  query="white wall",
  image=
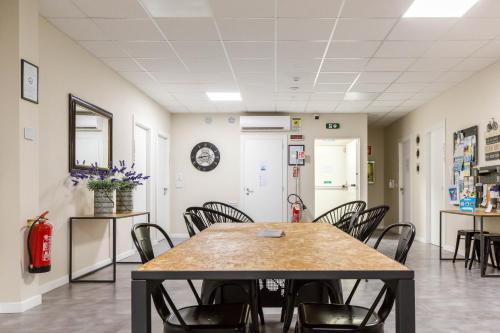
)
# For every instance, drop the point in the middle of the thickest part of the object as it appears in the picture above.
(473, 102)
(223, 183)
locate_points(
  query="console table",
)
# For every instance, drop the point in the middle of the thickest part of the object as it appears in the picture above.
(109, 217)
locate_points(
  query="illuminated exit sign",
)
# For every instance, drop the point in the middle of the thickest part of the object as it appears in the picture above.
(332, 125)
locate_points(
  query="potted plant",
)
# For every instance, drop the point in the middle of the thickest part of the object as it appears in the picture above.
(127, 181)
(102, 182)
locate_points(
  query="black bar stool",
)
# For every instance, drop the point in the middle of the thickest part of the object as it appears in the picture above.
(468, 236)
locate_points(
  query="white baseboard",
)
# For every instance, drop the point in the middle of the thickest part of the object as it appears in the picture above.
(17, 307)
(51, 285)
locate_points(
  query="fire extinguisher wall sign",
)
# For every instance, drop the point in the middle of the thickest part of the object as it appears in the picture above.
(39, 245)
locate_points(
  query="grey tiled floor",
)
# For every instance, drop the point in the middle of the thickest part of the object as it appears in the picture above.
(448, 299)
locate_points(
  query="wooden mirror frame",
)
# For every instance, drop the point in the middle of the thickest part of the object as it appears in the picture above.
(73, 101)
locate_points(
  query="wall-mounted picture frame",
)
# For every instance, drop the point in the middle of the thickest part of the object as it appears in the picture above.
(29, 81)
(293, 151)
(371, 172)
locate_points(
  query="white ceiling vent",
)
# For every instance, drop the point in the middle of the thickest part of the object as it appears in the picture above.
(265, 123)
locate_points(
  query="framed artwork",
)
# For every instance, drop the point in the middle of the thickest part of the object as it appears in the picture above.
(371, 172)
(296, 155)
(29, 81)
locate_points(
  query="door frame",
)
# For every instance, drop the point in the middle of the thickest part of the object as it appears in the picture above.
(284, 140)
(148, 158)
(166, 137)
(401, 179)
(427, 163)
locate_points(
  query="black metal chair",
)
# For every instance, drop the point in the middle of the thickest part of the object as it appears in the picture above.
(341, 216)
(228, 210)
(366, 222)
(467, 236)
(490, 239)
(201, 218)
(346, 318)
(198, 318)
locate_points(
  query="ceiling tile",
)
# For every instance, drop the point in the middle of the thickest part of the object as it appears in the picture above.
(406, 87)
(188, 29)
(207, 65)
(255, 78)
(378, 77)
(308, 8)
(418, 77)
(453, 48)
(426, 96)
(402, 49)
(122, 64)
(199, 49)
(129, 30)
(332, 87)
(389, 64)
(363, 29)
(359, 96)
(161, 64)
(301, 49)
(111, 8)
(247, 65)
(304, 29)
(316, 97)
(260, 108)
(386, 103)
(454, 76)
(79, 28)
(344, 65)
(474, 64)
(376, 8)
(324, 106)
(298, 65)
(490, 50)
(138, 78)
(246, 29)
(176, 8)
(395, 96)
(242, 8)
(104, 49)
(337, 77)
(370, 87)
(250, 49)
(412, 103)
(352, 49)
(348, 106)
(378, 109)
(434, 64)
(58, 8)
(485, 8)
(471, 29)
(148, 49)
(421, 28)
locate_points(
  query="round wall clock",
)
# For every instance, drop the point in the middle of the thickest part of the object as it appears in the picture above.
(205, 156)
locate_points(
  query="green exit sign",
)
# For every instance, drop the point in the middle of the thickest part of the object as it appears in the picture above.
(332, 125)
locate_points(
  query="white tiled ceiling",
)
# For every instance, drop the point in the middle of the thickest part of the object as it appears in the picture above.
(283, 55)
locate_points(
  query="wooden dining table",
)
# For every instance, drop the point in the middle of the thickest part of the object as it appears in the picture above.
(232, 251)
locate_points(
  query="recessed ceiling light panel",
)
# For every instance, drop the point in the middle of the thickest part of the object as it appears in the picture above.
(224, 96)
(439, 8)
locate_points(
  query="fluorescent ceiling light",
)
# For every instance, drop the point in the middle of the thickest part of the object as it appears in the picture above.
(224, 96)
(439, 8)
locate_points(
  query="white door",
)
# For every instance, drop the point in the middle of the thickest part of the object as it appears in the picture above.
(436, 183)
(162, 182)
(405, 182)
(352, 170)
(264, 177)
(141, 160)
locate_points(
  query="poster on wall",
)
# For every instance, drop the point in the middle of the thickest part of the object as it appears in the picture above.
(492, 137)
(29, 81)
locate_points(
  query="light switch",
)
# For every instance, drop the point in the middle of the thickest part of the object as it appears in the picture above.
(179, 181)
(29, 134)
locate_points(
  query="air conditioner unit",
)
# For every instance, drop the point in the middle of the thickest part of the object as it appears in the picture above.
(265, 123)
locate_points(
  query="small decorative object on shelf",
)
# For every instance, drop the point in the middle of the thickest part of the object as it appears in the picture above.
(127, 181)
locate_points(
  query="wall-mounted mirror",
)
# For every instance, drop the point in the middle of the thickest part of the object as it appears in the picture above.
(90, 135)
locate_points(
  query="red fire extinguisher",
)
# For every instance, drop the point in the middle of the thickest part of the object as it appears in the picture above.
(297, 207)
(39, 245)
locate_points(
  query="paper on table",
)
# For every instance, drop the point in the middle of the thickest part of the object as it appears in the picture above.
(273, 233)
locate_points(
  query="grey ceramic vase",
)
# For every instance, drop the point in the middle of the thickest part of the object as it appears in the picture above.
(103, 202)
(124, 201)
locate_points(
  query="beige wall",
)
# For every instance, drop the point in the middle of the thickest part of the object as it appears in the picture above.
(223, 183)
(376, 191)
(473, 102)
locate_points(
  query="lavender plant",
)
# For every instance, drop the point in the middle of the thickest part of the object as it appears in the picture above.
(96, 178)
(128, 178)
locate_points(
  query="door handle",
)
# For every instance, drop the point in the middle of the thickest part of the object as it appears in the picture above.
(248, 191)
(165, 189)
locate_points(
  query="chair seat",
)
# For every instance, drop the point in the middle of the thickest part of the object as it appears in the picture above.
(213, 316)
(331, 316)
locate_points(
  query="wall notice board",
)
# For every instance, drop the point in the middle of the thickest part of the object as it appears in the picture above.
(465, 158)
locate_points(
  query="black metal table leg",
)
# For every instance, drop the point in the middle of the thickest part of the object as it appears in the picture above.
(70, 250)
(405, 306)
(482, 261)
(141, 306)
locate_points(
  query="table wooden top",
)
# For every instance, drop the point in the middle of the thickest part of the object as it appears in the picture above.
(108, 216)
(478, 212)
(314, 248)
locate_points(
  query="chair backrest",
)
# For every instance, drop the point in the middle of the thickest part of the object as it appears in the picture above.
(366, 222)
(202, 217)
(341, 216)
(141, 236)
(404, 243)
(191, 220)
(228, 210)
